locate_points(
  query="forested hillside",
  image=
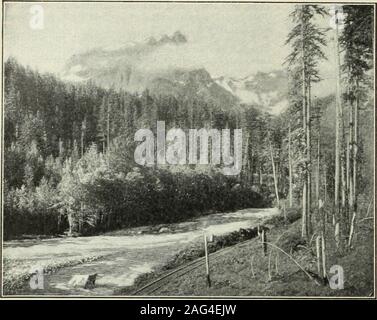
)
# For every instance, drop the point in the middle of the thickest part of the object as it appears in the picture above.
(69, 147)
(69, 157)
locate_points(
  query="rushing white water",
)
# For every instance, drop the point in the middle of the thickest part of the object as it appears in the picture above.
(125, 256)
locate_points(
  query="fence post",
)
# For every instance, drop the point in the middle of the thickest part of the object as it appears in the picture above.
(252, 266)
(352, 229)
(269, 267)
(207, 262)
(324, 256)
(264, 240)
(277, 263)
(318, 248)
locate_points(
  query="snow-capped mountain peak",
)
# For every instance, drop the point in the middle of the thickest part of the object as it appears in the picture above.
(267, 91)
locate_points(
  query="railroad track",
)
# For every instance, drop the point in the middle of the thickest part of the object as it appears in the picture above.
(153, 286)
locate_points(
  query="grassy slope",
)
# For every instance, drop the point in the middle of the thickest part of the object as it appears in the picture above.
(233, 276)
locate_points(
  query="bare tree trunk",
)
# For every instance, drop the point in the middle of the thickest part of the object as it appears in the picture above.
(348, 171)
(245, 157)
(260, 174)
(318, 253)
(83, 128)
(344, 215)
(324, 256)
(352, 227)
(348, 166)
(82, 142)
(308, 155)
(251, 165)
(318, 166)
(355, 151)
(344, 184)
(325, 193)
(290, 168)
(338, 136)
(325, 184)
(304, 191)
(354, 178)
(274, 173)
(304, 233)
(350, 160)
(60, 147)
(108, 127)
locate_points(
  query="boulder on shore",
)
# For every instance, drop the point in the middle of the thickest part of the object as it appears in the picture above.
(86, 281)
(164, 230)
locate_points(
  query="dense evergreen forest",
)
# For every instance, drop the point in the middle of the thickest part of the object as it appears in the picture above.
(68, 148)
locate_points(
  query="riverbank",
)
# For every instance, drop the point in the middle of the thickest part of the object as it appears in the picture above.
(17, 273)
(247, 271)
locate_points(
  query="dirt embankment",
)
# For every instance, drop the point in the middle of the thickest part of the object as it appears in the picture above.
(249, 271)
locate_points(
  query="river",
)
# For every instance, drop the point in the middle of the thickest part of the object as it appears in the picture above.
(125, 256)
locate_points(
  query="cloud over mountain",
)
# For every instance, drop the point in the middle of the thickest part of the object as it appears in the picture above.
(170, 65)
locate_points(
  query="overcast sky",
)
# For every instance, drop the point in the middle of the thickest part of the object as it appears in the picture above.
(228, 39)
